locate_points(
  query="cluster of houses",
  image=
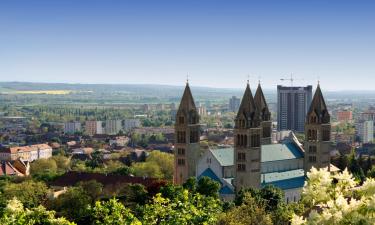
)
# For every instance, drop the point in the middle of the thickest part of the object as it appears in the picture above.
(15, 161)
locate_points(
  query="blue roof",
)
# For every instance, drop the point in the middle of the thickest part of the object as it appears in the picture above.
(209, 173)
(226, 191)
(285, 180)
(285, 151)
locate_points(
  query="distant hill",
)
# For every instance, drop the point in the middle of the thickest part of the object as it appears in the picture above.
(160, 92)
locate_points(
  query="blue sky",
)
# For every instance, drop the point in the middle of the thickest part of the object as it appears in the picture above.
(217, 42)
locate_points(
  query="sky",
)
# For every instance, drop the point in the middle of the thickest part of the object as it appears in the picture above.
(218, 43)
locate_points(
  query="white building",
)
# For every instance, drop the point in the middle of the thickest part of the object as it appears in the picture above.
(131, 123)
(72, 127)
(365, 131)
(113, 126)
(26, 153)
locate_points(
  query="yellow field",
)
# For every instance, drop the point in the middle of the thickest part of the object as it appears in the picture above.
(46, 92)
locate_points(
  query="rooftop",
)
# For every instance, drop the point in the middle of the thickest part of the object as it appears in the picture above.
(271, 152)
(284, 180)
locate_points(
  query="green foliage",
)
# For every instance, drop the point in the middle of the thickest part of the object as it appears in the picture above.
(147, 169)
(355, 168)
(250, 212)
(185, 209)
(135, 194)
(43, 166)
(92, 188)
(30, 193)
(165, 161)
(16, 214)
(73, 204)
(112, 212)
(208, 187)
(272, 199)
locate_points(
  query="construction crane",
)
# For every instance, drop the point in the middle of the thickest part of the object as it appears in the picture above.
(291, 79)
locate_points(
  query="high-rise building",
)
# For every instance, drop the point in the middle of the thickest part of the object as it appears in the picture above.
(234, 104)
(72, 127)
(365, 131)
(317, 143)
(113, 126)
(93, 127)
(292, 106)
(187, 134)
(131, 123)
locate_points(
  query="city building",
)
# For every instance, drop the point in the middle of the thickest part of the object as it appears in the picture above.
(93, 127)
(292, 106)
(26, 153)
(129, 124)
(254, 161)
(113, 126)
(72, 127)
(344, 116)
(365, 131)
(202, 110)
(234, 104)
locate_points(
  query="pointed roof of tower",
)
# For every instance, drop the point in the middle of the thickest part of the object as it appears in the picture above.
(247, 104)
(260, 100)
(319, 106)
(187, 100)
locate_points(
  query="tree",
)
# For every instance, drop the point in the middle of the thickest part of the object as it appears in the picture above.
(135, 194)
(62, 163)
(30, 193)
(15, 213)
(92, 188)
(336, 199)
(73, 204)
(147, 169)
(165, 161)
(248, 213)
(185, 209)
(355, 168)
(112, 212)
(43, 166)
(208, 187)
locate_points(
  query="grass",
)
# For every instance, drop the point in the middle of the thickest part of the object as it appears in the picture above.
(46, 92)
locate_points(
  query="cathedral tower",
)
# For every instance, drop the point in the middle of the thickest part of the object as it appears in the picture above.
(266, 123)
(187, 133)
(317, 134)
(247, 134)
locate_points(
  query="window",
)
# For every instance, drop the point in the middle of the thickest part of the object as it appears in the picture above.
(241, 140)
(181, 120)
(267, 132)
(181, 151)
(312, 135)
(194, 136)
(241, 167)
(241, 157)
(312, 159)
(312, 149)
(181, 162)
(326, 135)
(255, 140)
(181, 137)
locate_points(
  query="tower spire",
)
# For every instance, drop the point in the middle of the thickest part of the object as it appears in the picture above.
(261, 104)
(319, 107)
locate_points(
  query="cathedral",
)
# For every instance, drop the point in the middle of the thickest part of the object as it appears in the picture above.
(254, 161)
